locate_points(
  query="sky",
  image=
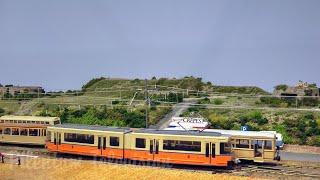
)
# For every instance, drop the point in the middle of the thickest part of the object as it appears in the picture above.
(62, 44)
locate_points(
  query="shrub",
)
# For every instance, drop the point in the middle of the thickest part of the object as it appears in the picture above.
(1, 111)
(282, 87)
(92, 82)
(217, 101)
(204, 101)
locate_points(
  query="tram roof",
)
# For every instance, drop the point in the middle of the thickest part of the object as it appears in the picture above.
(177, 132)
(232, 132)
(91, 127)
(29, 118)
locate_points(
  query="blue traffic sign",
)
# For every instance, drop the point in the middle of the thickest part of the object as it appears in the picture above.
(244, 128)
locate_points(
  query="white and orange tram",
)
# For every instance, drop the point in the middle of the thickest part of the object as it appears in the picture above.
(177, 147)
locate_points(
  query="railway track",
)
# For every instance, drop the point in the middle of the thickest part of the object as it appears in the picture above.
(242, 169)
(280, 170)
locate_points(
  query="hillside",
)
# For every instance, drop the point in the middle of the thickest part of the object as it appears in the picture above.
(187, 85)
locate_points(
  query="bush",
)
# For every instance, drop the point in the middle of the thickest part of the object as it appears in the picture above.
(204, 101)
(92, 82)
(314, 141)
(217, 101)
(1, 111)
(282, 87)
(309, 102)
(175, 97)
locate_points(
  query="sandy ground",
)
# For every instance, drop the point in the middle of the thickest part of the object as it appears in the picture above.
(43, 168)
(301, 149)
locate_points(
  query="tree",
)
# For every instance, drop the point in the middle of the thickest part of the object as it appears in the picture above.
(282, 87)
(312, 85)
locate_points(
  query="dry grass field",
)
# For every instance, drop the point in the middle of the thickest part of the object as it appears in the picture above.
(42, 168)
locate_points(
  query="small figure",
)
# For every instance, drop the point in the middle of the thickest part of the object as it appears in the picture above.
(2, 157)
(19, 161)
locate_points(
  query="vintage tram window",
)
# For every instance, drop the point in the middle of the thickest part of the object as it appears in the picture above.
(7, 131)
(0, 130)
(182, 145)
(23, 132)
(48, 136)
(79, 138)
(140, 143)
(114, 141)
(1, 121)
(15, 131)
(256, 144)
(47, 122)
(33, 132)
(268, 145)
(225, 148)
(242, 143)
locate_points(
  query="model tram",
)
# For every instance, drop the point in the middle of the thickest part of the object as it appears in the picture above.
(211, 147)
(25, 129)
(177, 147)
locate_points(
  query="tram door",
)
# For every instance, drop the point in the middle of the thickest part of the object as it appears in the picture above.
(210, 152)
(57, 139)
(258, 148)
(154, 148)
(102, 142)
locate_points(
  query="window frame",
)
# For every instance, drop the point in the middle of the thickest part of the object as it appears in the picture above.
(144, 145)
(182, 145)
(79, 138)
(242, 145)
(111, 141)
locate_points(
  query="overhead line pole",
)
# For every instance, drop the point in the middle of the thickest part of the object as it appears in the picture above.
(147, 101)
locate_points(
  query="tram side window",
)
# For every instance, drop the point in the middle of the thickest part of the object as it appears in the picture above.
(114, 141)
(23, 132)
(140, 143)
(0, 130)
(33, 132)
(256, 144)
(7, 131)
(79, 138)
(48, 136)
(242, 143)
(182, 145)
(268, 145)
(225, 148)
(15, 131)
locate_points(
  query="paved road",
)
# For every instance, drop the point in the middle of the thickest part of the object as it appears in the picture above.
(300, 156)
(177, 110)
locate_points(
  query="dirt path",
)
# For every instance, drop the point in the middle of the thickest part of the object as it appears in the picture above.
(177, 110)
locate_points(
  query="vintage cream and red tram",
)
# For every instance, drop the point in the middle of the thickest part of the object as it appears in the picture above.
(255, 146)
(192, 148)
(31, 130)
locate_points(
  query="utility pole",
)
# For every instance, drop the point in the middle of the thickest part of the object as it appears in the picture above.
(38, 94)
(147, 100)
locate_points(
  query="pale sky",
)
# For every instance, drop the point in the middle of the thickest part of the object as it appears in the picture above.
(63, 43)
